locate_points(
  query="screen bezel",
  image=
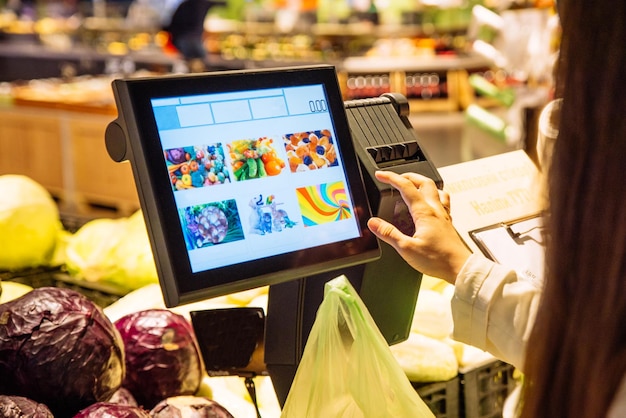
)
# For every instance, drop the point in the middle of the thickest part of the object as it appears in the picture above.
(179, 284)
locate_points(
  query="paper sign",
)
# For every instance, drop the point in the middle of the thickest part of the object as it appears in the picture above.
(487, 191)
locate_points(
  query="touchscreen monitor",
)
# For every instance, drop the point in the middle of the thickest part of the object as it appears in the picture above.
(246, 178)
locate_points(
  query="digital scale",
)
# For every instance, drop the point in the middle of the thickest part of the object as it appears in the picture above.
(266, 178)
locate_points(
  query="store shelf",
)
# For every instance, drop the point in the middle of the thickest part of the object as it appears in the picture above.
(435, 63)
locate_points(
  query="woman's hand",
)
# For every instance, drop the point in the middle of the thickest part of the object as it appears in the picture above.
(435, 248)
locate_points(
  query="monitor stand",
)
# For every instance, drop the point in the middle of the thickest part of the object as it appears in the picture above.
(388, 288)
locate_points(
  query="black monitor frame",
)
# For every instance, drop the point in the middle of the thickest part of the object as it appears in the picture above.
(134, 136)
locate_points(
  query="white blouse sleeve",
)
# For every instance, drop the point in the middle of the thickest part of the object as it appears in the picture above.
(618, 407)
(493, 309)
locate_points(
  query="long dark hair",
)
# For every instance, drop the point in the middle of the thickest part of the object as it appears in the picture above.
(576, 355)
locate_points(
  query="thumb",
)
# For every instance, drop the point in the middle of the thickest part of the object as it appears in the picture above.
(385, 231)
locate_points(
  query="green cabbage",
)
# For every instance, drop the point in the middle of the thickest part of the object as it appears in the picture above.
(29, 223)
(425, 359)
(112, 250)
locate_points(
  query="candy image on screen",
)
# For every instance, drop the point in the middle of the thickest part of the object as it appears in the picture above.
(323, 203)
(211, 224)
(310, 150)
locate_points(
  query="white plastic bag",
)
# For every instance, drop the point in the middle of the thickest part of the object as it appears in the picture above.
(347, 369)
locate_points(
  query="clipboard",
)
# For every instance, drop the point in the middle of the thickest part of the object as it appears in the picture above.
(518, 244)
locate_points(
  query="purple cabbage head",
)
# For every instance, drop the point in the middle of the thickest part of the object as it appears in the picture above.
(189, 407)
(123, 397)
(57, 347)
(21, 407)
(107, 409)
(162, 356)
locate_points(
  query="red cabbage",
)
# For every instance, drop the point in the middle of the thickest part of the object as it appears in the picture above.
(107, 409)
(57, 347)
(21, 407)
(189, 407)
(162, 356)
(123, 397)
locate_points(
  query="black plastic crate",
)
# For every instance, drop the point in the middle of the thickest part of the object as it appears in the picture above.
(102, 294)
(485, 389)
(72, 222)
(441, 397)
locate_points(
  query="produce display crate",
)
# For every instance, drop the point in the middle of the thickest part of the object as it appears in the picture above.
(73, 221)
(102, 294)
(485, 389)
(477, 392)
(441, 397)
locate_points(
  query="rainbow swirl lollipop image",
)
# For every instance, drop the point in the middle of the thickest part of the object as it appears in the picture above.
(324, 203)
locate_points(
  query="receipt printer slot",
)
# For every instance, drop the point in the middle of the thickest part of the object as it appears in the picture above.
(392, 154)
(385, 139)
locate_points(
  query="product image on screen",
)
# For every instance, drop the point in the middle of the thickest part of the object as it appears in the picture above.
(247, 178)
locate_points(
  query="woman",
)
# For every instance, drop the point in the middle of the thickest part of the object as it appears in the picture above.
(574, 357)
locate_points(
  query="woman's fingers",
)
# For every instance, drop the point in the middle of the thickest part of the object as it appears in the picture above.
(444, 198)
(385, 230)
(404, 185)
(435, 247)
(416, 189)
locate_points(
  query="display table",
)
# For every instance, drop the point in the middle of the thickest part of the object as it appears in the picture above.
(63, 149)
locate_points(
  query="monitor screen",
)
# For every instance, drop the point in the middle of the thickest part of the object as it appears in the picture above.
(246, 178)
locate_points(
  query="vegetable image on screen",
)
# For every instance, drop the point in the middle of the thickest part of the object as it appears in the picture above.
(210, 224)
(196, 166)
(323, 203)
(310, 150)
(254, 158)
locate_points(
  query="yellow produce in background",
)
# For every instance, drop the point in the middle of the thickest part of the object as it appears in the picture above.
(29, 223)
(112, 250)
(12, 290)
